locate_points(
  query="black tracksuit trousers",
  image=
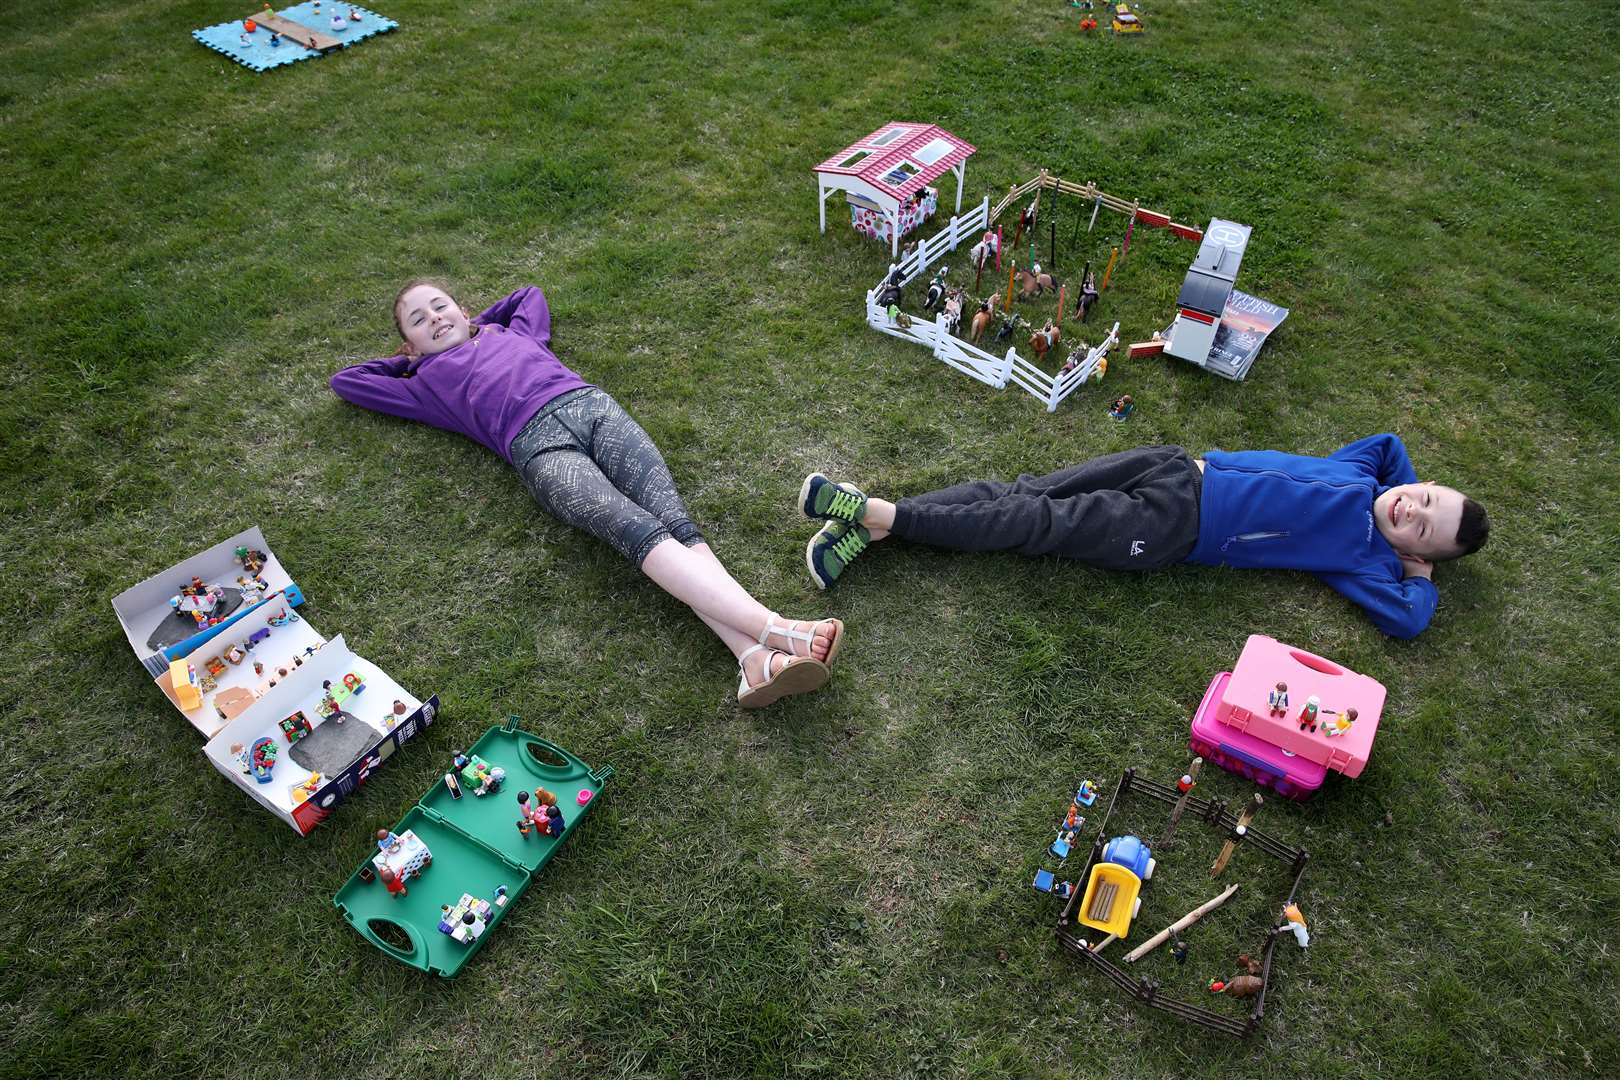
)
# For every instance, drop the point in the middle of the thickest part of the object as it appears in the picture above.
(1136, 510)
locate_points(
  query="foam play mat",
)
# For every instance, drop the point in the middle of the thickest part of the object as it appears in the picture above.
(268, 38)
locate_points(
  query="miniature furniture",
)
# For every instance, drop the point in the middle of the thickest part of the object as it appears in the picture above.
(887, 170)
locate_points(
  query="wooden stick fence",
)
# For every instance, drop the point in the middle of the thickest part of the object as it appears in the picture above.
(1091, 193)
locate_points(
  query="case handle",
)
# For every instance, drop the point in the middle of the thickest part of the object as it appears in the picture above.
(1315, 663)
(388, 947)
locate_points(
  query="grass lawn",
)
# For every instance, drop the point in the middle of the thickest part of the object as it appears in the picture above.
(838, 885)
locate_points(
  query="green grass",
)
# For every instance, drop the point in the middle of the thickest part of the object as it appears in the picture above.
(836, 886)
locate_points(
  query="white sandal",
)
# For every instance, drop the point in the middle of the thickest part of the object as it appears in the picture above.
(835, 642)
(796, 675)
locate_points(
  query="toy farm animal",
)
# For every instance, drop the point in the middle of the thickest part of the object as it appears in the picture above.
(953, 311)
(1044, 339)
(1081, 351)
(1034, 284)
(985, 250)
(1088, 294)
(1008, 325)
(936, 291)
(981, 319)
(1238, 986)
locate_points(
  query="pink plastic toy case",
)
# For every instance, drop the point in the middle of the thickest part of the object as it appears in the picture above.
(1236, 727)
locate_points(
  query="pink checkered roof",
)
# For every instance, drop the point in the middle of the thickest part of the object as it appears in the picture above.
(900, 158)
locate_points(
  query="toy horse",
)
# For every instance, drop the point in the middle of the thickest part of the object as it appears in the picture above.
(953, 311)
(1081, 351)
(981, 319)
(1088, 294)
(1034, 284)
(1008, 325)
(985, 250)
(936, 291)
(1044, 339)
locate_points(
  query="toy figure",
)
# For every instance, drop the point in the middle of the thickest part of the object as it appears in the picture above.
(490, 781)
(1073, 820)
(338, 23)
(275, 39)
(1063, 890)
(1185, 784)
(258, 668)
(1122, 407)
(554, 820)
(543, 797)
(459, 759)
(982, 319)
(396, 886)
(523, 826)
(1278, 699)
(387, 841)
(1087, 793)
(1340, 725)
(354, 16)
(253, 561)
(1179, 951)
(1307, 715)
(936, 290)
(524, 808)
(247, 42)
(1295, 921)
(235, 654)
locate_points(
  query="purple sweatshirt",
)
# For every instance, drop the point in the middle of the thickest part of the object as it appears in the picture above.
(487, 387)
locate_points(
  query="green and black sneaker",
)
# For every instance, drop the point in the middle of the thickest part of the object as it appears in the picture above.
(819, 497)
(834, 548)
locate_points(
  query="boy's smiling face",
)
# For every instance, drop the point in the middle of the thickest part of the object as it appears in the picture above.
(431, 321)
(1420, 519)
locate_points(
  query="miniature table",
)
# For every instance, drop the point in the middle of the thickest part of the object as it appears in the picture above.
(411, 856)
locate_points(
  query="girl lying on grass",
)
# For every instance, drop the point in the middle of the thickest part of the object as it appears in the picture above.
(494, 379)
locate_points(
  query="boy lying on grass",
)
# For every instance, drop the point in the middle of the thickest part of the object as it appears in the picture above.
(1358, 519)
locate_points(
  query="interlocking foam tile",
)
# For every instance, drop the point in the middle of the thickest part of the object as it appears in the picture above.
(258, 54)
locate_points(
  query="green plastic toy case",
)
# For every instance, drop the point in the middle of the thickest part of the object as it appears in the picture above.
(476, 848)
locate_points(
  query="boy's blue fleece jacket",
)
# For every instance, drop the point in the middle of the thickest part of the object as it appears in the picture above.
(1263, 508)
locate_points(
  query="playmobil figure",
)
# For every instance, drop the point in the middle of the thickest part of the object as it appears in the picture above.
(982, 318)
(1122, 407)
(554, 820)
(1179, 951)
(1073, 820)
(1357, 519)
(275, 39)
(235, 654)
(1294, 921)
(524, 809)
(354, 16)
(339, 23)
(1087, 793)
(1307, 715)
(1045, 339)
(936, 290)
(245, 41)
(494, 378)
(1063, 890)
(490, 781)
(394, 883)
(524, 825)
(387, 840)
(1340, 723)
(1278, 700)
(251, 559)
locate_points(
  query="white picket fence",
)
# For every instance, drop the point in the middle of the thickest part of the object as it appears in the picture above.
(964, 356)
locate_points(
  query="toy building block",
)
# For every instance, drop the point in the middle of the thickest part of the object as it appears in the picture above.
(296, 726)
(1146, 348)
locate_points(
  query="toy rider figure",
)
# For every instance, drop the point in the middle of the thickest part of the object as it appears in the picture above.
(1278, 700)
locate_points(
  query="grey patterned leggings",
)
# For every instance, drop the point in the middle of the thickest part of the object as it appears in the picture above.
(591, 466)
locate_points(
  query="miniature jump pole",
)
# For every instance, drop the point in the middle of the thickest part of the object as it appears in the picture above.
(1239, 829)
(1053, 229)
(1113, 253)
(1179, 925)
(1061, 294)
(1181, 803)
(1012, 268)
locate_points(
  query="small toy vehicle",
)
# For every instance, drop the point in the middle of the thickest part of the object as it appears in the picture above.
(1126, 22)
(1113, 891)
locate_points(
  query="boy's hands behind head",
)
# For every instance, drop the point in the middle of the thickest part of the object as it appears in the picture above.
(1415, 566)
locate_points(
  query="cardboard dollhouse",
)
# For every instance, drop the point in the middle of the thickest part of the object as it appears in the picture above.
(223, 641)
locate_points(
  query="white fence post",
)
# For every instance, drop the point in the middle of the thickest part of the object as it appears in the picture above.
(1006, 369)
(940, 334)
